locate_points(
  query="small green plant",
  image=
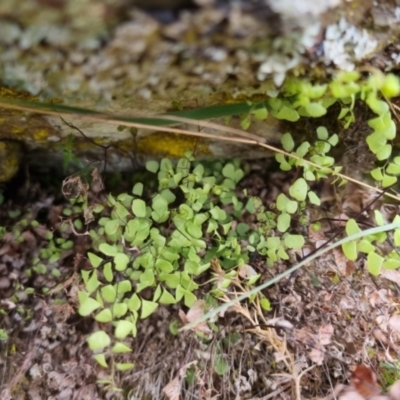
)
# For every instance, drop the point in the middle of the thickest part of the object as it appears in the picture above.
(49, 255)
(149, 251)
(273, 234)
(370, 246)
(298, 98)
(3, 335)
(389, 373)
(69, 157)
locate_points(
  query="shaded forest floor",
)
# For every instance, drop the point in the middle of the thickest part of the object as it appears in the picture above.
(326, 319)
(331, 323)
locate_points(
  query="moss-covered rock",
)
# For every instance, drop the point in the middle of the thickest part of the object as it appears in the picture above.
(10, 156)
(113, 57)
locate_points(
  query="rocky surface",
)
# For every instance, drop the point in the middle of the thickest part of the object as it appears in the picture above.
(119, 57)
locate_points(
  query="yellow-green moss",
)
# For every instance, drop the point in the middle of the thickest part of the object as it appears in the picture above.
(41, 134)
(172, 145)
(7, 92)
(10, 155)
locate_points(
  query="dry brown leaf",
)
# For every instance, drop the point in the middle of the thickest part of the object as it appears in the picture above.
(280, 322)
(41, 231)
(88, 215)
(364, 380)
(337, 390)
(344, 266)
(62, 311)
(339, 220)
(73, 187)
(317, 355)
(347, 303)
(351, 395)
(173, 389)
(350, 267)
(394, 391)
(97, 182)
(380, 397)
(305, 335)
(358, 200)
(325, 334)
(29, 239)
(195, 312)
(317, 341)
(246, 271)
(380, 336)
(7, 305)
(391, 274)
(382, 321)
(316, 235)
(394, 322)
(328, 297)
(182, 316)
(375, 298)
(292, 298)
(6, 247)
(206, 394)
